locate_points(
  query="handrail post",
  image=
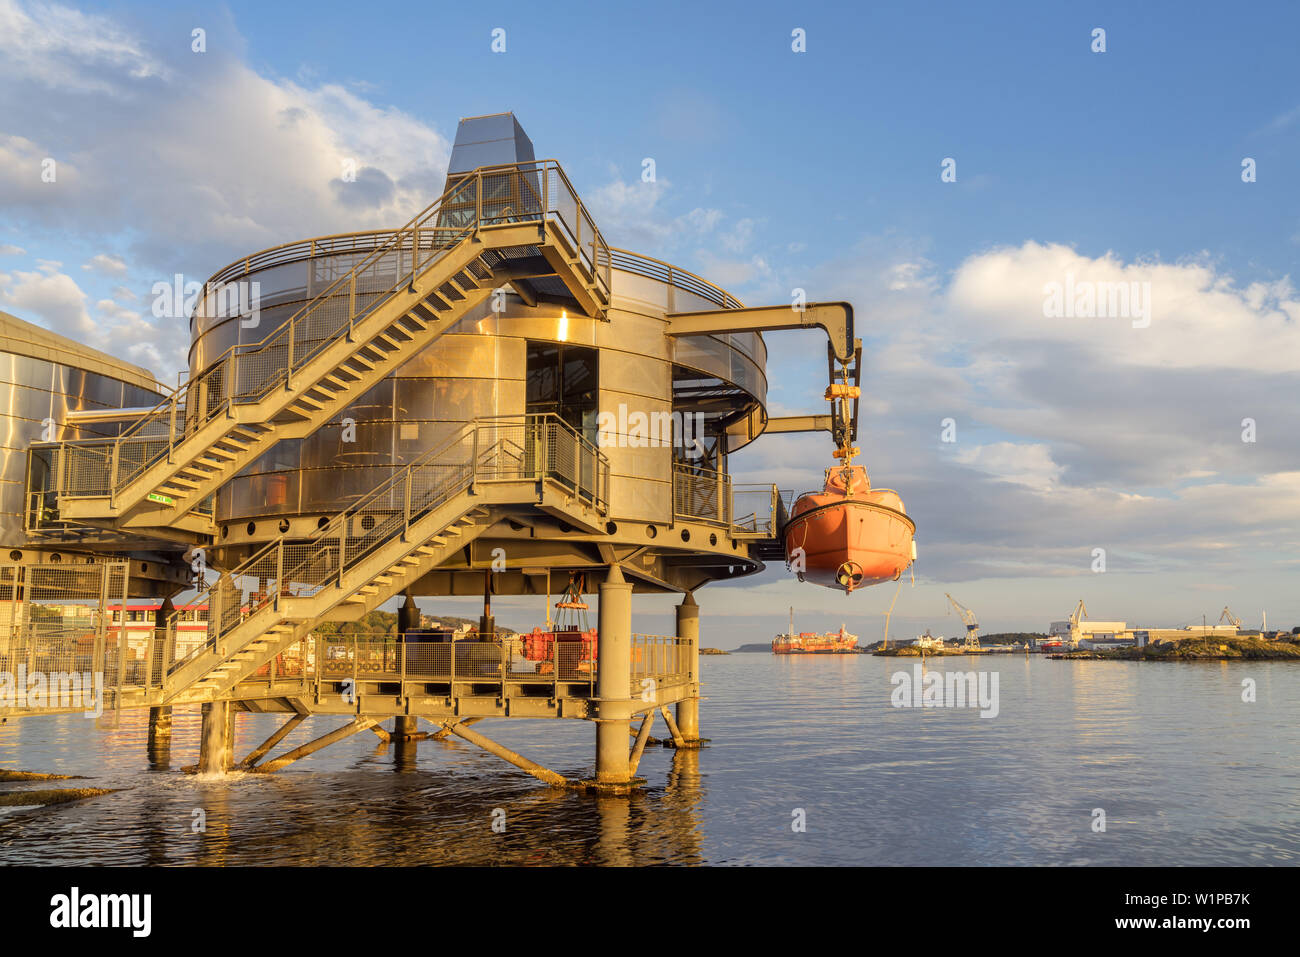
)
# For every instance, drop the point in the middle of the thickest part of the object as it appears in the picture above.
(356, 655)
(352, 302)
(112, 472)
(288, 366)
(473, 462)
(171, 425)
(279, 572)
(406, 507)
(343, 538)
(478, 211)
(415, 251)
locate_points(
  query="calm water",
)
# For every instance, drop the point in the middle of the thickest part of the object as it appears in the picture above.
(1186, 772)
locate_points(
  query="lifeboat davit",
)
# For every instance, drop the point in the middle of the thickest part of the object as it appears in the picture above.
(849, 535)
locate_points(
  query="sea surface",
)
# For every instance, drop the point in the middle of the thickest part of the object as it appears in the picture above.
(808, 763)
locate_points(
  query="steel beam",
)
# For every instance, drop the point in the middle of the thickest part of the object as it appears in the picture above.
(799, 423)
(264, 748)
(546, 775)
(642, 736)
(311, 747)
(836, 318)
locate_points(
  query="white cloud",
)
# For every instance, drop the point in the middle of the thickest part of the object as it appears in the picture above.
(8, 249)
(67, 49)
(208, 160)
(1028, 464)
(53, 297)
(107, 264)
(1199, 316)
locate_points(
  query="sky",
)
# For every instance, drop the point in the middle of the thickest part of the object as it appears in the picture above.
(943, 166)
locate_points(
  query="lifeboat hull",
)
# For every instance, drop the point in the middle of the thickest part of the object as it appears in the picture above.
(849, 541)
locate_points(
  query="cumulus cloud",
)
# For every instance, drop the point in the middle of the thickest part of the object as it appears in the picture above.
(1071, 434)
(107, 264)
(235, 161)
(54, 297)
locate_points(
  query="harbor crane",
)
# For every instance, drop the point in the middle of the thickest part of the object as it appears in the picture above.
(968, 617)
(1227, 615)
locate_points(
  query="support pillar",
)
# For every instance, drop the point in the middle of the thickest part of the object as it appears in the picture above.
(160, 738)
(688, 628)
(613, 680)
(408, 616)
(487, 625)
(215, 738)
(408, 619)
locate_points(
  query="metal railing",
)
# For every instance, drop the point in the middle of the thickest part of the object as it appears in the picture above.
(317, 664)
(759, 510)
(701, 494)
(638, 264)
(247, 373)
(494, 449)
(659, 657)
(708, 495)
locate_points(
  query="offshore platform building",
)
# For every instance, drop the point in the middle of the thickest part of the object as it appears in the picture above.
(487, 400)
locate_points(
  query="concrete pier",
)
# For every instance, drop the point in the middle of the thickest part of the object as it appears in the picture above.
(613, 680)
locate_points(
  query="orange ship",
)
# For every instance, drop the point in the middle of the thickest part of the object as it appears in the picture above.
(810, 643)
(849, 535)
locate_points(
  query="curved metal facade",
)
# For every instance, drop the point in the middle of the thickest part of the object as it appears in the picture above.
(44, 376)
(477, 368)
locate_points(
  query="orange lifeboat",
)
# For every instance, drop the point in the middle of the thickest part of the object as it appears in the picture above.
(849, 535)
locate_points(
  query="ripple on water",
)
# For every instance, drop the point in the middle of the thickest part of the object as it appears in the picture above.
(876, 784)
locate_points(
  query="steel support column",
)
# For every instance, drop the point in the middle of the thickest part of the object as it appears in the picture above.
(613, 679)
(215, 738)
(688, 630)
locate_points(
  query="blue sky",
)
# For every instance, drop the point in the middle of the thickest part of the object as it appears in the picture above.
(778, 170)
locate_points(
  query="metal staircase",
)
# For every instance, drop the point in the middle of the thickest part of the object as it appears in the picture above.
(521, 224)
(384, 542)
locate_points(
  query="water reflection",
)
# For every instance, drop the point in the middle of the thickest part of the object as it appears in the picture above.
(1188, 774)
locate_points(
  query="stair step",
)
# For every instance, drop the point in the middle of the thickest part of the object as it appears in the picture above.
(182, 481)
(224, 453)
(310, 401)
(342, 384)
(361, 360)
(390, 340)
(208, 463)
